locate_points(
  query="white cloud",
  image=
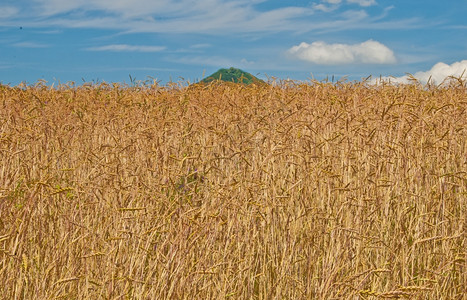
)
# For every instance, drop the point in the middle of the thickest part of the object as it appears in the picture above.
(214, 61)
(189, 16)
(355, 14)
(128, 48)
(30, 45)
(8, 12)
(164, 16)
(369, 52)
(200, 46)
(5, 66)
(359, 2)
(169, 15)
(437, 74)
(324, 8)
(244, 61)
(363, 2)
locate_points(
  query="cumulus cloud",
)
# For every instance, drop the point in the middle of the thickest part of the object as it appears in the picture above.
(369, 52)
(128, 48)
(437, 74)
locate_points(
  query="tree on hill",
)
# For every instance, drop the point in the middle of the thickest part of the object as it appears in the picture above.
(232, 75)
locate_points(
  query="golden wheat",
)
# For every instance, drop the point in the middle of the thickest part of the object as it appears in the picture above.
(225, 191)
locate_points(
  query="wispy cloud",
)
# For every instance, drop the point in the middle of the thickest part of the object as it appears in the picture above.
(187, 16)
(359, 2)
(199, 60)
(127, 48)
(324, 7)
(30, 45)
(363, 2)
(8, 11)
(130, 69)
(196, 48)
(332, 5)
(200, 46)
(369, 52)
(165, 15)
(5, 66)
(437, 74)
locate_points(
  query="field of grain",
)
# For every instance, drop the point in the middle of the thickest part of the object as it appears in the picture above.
(225, 191)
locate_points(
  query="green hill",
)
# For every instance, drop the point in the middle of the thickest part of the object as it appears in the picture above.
(232, 75)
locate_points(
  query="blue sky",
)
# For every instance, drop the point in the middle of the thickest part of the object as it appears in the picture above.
(108, 40)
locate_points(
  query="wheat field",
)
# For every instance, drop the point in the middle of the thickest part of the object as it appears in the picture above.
(225, 191)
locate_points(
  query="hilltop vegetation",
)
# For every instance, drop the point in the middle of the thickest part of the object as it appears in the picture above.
(232, 75)
(230, 191)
